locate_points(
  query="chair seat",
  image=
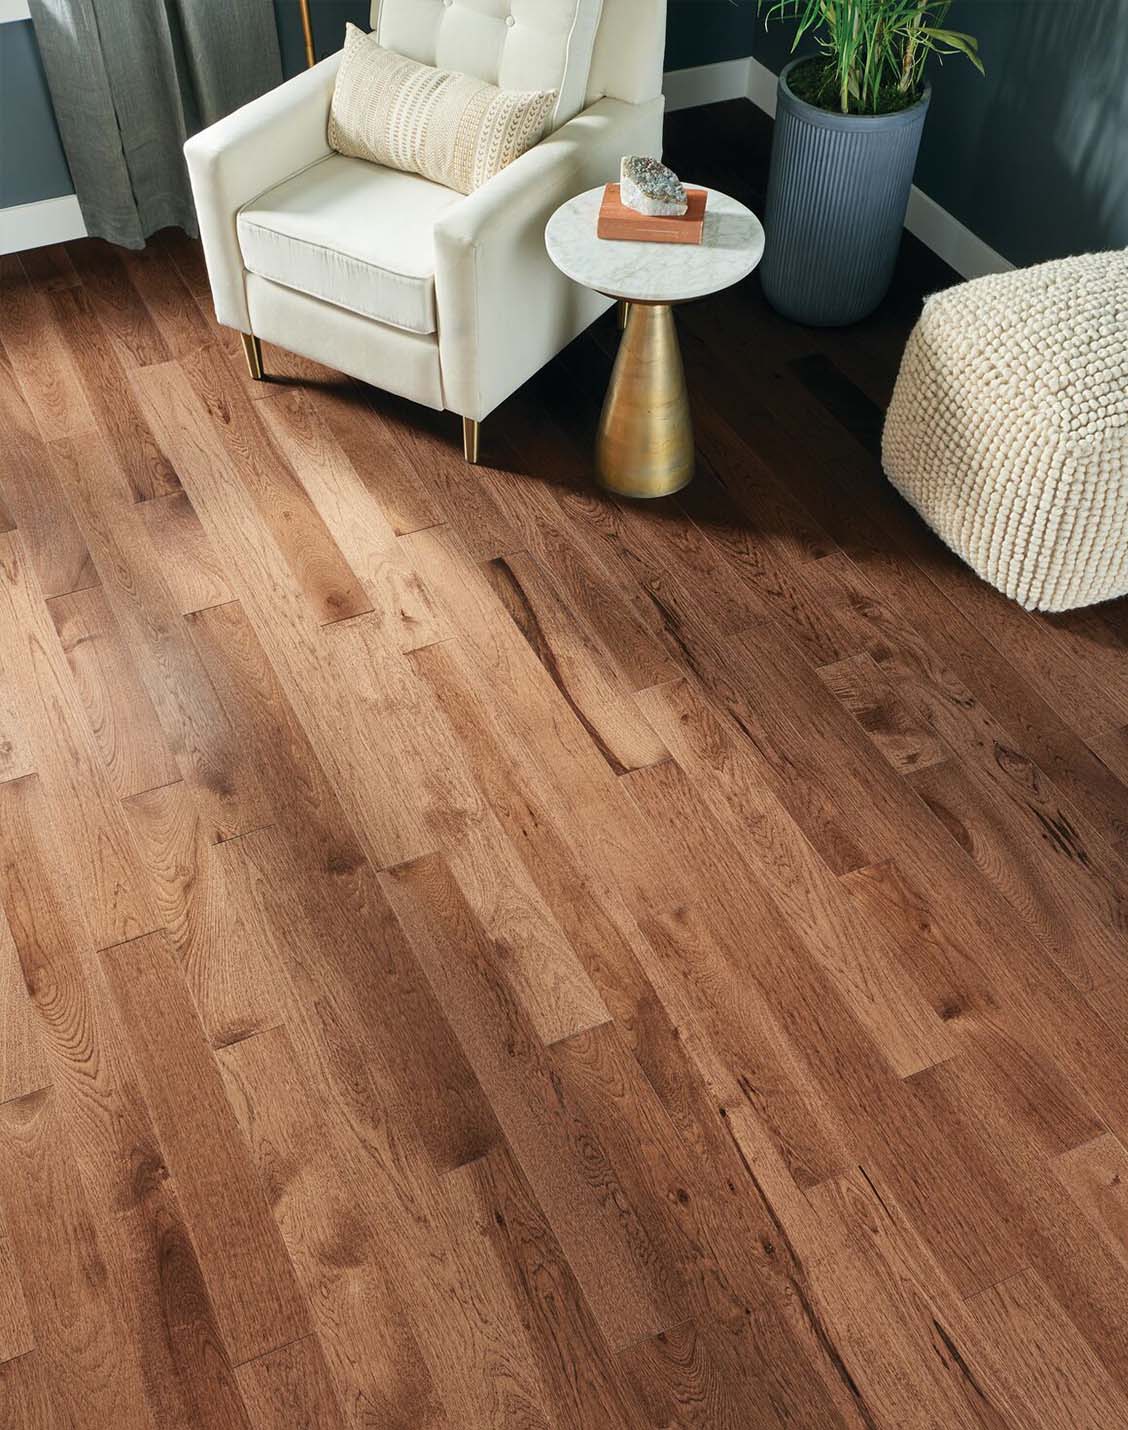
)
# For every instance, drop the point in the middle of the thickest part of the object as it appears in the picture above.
(353, 234)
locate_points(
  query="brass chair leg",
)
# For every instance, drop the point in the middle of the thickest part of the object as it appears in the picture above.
(252, 351)
(470, 439)
(622, 308)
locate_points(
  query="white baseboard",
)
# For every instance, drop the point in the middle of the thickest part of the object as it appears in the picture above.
(939, 230)
(48, 221)
(951, 240)
(705, 84)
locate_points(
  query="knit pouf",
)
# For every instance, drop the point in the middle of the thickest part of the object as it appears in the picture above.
(1008, 429)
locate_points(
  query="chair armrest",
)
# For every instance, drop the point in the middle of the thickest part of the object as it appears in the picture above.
(242, 156)
(504, 308)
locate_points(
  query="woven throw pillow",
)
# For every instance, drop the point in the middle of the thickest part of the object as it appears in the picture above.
(449, 127)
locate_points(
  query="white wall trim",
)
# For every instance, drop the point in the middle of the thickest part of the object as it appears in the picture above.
(951, 240)
(33, 225)
(704, 84)
(13, 10)
(941, 231)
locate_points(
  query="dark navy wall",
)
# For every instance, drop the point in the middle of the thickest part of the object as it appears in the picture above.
(32, 165)
(1034, 157)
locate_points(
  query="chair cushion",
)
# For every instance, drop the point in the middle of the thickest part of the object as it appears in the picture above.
(452, 128)
(515, 44)
(351, 233)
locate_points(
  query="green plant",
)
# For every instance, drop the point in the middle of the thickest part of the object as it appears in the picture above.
(876, 50)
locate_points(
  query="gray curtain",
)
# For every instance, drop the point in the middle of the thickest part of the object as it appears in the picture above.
(131, 80)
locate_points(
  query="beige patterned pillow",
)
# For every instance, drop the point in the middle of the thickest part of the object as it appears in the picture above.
(448, 127)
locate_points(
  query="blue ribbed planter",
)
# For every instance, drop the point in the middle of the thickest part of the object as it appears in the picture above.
(837, 195)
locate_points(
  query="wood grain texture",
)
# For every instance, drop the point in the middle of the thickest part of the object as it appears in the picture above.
(125, 725)
(478, 953)
(256, 1299)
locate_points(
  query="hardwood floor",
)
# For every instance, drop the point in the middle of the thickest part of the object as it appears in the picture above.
(478, 954)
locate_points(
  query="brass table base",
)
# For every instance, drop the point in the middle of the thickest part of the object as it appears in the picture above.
(645, 442)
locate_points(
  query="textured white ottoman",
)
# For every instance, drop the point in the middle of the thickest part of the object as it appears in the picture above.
(1008, 429)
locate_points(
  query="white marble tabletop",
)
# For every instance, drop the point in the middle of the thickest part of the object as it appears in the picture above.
(731, 246)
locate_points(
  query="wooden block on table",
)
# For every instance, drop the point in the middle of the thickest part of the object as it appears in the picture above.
(619, 222)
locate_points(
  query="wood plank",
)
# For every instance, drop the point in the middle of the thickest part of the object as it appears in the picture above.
(1047, 1372)
(572, 1358)
(192, 571)
(151, 1270)
(873, 1284)
(61, 1262)
(856, 951)
(17, 1337)
(170, 302)
(1054, 1065)
(1072, 897)
(283, 505)
(363, 435)
(1081, 1271)
(326, 707)
(225, 950)
(32, 499)
(49, 267)
(116, 302)
(124, 723)
(880, 1119)
(609, 1248)
(101, 858)
(339, 939)
(274, 745)
(289, 1387)
(23, 1065)
(441, 1267)
(198, 730)
(543, 969)
(401, 604)
(577, 666)
(117, 416)
(363, 1357)
(41, 362)
(1096, 1177)
(257, 1302)
(906, 740)
(26, 1402)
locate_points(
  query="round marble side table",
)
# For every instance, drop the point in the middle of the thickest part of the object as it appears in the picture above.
(645, 442)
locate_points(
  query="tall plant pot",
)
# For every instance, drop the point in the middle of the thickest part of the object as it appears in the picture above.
(837, 195)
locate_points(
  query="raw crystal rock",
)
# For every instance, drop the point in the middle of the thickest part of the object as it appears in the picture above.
(649, 187)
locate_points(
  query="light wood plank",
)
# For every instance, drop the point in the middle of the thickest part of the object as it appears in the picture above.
(257, 1302)
(125, 726)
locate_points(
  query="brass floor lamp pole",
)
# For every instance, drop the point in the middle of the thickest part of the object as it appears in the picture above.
(307, 33)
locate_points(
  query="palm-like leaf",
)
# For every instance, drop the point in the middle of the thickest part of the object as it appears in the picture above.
(876, 46)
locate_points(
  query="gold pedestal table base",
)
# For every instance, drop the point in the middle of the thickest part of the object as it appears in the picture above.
(645, 442)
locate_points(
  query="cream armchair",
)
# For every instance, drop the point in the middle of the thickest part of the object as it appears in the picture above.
(446, 299)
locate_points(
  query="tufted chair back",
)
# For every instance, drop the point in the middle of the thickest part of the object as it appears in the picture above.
(581, 48)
